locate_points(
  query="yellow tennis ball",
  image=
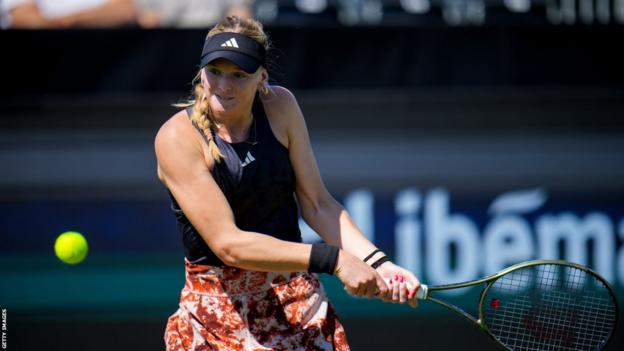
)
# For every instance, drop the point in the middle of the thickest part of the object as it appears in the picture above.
(71, 247)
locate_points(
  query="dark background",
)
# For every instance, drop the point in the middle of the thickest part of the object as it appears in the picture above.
(475, 110)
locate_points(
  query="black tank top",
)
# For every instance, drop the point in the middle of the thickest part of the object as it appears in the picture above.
(258, 181)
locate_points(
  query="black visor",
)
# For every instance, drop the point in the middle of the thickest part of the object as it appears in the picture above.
(243, 51)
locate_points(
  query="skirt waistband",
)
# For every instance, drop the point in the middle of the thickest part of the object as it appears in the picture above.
(227, 281)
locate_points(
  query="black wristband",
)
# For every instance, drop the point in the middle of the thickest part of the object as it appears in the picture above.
(379, 262)
(371, 255)
(323, 258)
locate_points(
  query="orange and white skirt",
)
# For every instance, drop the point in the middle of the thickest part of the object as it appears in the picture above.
(227, 308)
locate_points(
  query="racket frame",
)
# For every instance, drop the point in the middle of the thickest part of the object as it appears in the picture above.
(424, 293)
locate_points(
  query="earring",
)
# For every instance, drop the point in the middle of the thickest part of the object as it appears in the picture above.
(264, 90)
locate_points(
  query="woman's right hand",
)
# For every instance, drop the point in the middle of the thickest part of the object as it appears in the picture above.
(358, 278)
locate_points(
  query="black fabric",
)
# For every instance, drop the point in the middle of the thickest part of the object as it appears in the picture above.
(380, 261)
(261, 193)
(323, 258)
(245, 52)
(371, 255)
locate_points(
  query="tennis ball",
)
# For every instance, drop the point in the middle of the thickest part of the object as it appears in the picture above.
(71, 247)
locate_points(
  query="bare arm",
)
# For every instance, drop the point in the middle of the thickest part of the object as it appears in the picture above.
(242, 10)
(319, 209)
(326, 216)
(112, 13)
(183, 168)
(27, 16)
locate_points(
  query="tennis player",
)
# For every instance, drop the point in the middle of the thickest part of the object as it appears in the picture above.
(233, 162)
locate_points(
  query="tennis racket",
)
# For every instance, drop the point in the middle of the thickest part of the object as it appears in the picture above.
(541, 305)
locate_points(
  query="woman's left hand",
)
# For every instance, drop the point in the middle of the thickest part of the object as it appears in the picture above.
(402, 284)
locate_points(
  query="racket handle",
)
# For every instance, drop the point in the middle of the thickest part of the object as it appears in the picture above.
(421, 294)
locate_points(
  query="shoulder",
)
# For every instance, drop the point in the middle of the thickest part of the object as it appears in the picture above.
(173, 128)
(176, 133)
(283, 112)
(281, 106)
(280, 98)
(179, 145)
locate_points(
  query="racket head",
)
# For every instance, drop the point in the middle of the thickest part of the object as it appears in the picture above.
(549, 305)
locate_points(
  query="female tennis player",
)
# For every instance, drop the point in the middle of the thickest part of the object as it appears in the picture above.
(233, 162)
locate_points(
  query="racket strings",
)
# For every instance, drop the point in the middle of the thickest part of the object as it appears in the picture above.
(549, 307)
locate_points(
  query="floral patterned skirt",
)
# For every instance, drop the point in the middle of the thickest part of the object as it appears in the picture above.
(227, 308)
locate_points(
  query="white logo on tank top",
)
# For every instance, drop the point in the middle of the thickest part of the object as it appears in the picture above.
(248, 159)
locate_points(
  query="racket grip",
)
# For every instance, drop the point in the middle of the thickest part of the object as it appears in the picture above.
(421, 294)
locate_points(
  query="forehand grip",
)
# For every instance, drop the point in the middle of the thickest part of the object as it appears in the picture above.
(421, 294)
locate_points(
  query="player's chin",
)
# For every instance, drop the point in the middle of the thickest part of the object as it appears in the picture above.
(220, 109)
(223, 106)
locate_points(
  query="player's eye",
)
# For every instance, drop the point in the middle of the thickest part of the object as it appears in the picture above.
(213, 71)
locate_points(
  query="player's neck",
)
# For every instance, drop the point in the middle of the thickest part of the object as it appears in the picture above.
(234, 128)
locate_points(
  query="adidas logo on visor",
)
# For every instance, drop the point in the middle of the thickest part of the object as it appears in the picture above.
(231, 43)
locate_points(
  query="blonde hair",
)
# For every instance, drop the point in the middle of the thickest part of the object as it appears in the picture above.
(202, 116)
